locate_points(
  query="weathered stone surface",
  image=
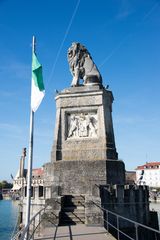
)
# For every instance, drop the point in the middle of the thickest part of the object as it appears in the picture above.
(84, 128)
(94, 215)
(129, 201)
(83, 177)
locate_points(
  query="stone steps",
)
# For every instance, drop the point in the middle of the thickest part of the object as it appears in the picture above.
(73, 210)
(73, 214)
(78, 204)
(76, 200)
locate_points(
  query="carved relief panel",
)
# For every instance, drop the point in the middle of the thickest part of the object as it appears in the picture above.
(83, 124)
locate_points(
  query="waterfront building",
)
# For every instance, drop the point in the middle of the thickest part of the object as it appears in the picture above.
(20, 182)
(149, 174)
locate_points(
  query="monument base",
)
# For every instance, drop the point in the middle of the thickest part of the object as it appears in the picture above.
(79, 182)
(80, 177)
(84, 129)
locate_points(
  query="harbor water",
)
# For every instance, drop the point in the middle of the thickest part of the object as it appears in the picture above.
(8, 218)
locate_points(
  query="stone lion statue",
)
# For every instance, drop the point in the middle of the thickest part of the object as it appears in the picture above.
(82, 66)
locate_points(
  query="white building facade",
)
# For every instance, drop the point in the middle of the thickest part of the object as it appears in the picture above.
(148, 174)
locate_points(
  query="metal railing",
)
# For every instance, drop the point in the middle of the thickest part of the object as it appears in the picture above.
(112, 221)
(17, 223)
(118, 222)
(34, 226)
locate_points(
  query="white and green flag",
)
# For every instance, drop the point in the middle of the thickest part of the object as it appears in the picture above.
(38, 90)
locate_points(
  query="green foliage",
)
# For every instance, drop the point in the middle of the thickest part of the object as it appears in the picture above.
(5, 184)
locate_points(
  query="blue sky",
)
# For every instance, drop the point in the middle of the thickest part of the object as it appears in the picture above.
(123, 38)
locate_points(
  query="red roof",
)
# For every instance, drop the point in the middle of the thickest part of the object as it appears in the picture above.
(149, 165)
(37, 171)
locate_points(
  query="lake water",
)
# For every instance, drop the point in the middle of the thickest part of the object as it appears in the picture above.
(8, 218)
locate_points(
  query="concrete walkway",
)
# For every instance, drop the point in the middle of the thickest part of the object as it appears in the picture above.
(75, 232)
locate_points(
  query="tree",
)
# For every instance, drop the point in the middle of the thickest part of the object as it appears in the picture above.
(5, 184)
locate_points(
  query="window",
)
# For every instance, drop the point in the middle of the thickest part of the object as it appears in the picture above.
(31, 191)
(40, 191)
(25, 189)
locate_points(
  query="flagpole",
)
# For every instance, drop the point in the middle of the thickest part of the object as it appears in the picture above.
(30, 157)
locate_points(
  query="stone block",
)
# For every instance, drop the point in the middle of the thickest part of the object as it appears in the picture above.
(85, 177)
(93, 214)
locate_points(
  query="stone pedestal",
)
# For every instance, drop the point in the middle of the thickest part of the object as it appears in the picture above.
(80, 176)
(84, 155)
(84, 129)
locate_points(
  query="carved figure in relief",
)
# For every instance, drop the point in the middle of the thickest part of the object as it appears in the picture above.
(82, 125)
(92, 127)
(73, 131)
(82, 66)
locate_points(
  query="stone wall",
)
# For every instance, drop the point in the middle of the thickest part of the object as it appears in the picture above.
(78, 177)
(130, 201)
